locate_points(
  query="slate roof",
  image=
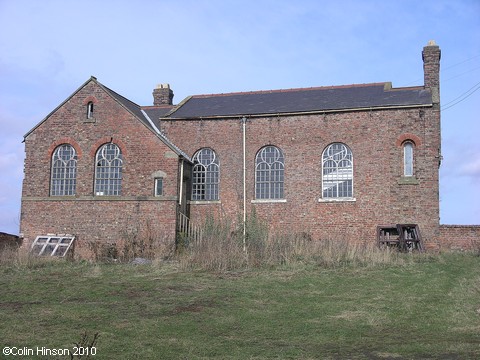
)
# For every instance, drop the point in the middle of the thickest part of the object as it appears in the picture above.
(156, 112)
(303, 100)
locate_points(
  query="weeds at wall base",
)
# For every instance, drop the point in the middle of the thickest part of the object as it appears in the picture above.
(225, 248)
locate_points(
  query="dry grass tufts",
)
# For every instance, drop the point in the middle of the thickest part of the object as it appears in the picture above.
(137, 241)
(21, 258)
(223, 248)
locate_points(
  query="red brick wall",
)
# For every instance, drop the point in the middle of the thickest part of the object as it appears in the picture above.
(460, 237)
(378, 167)
(85, 215)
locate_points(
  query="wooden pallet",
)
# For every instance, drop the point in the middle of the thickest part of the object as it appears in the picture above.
(405, 237)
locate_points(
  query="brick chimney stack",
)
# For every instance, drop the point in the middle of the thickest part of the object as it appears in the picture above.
(162, 95)
(431, 69)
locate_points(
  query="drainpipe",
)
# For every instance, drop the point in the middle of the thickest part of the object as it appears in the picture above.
(181, 185)
(244, 126)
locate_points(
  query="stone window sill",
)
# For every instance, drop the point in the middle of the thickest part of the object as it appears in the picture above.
(336, 200)
(407, 180)
(203, 202)
(268, 201)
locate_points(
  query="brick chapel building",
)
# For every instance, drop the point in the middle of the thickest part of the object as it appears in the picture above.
(333, 162)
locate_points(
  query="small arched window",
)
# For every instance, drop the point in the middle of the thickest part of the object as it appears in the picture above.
(408, 158)
(337, 170)
(206, 175)
(269, 173)
(90, 110)
(64, 171)
(108, 170)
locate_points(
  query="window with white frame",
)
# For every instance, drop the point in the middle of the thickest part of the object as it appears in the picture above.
(64, 171)
(269, 173)
(206, 175)
(408, 158)
(108, 170)
(337, 171)
(52, 245)
(158, 186)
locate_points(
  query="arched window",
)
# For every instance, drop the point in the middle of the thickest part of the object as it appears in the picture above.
(408, 158)
(108, 170)
(337, 170)
(269, 173)
(64, 171)
(90, 110)
(206, 175)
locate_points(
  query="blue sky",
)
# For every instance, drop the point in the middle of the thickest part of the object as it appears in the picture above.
(49, 48)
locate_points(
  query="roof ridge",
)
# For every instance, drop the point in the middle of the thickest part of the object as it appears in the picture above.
(290, 90)
(156, 106)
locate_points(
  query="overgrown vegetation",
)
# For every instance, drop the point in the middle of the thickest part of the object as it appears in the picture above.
(224, 248)
(136, 241)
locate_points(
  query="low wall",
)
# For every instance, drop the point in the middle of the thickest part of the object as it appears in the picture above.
(460, 237)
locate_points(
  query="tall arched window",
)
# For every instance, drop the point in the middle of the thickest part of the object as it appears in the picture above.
(108, 170)
(206, 175)
(408, 158)
(64, 171)
(269, 173)
(337, 170)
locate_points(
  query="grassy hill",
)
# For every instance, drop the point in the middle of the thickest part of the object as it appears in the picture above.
(420, 307)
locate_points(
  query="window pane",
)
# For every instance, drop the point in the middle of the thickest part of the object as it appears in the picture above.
(337, 164)
(108, 172)
(64, 167)
(408, 159)
(206, 175)
(269, 173)
(158, 186)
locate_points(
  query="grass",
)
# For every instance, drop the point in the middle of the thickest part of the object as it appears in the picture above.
(423, 307)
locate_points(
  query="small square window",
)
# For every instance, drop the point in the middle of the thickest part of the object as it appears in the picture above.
(158, 186)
